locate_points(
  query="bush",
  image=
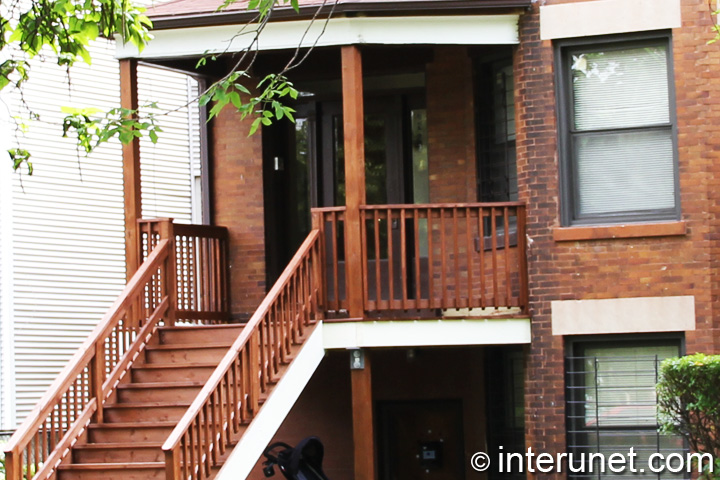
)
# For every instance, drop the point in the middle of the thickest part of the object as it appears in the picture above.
(688, 395)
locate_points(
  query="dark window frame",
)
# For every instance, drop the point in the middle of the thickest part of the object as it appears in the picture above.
(575, 350)
(569, 192)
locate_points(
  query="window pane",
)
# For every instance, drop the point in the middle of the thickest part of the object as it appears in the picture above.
(624, 172)
(620, 88)
(620, 385)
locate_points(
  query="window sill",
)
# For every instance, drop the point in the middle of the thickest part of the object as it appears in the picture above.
(602, 232)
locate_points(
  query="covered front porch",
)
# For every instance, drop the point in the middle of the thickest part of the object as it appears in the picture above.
(393, 197)
(402, 157)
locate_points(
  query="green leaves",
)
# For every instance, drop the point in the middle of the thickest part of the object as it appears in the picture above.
(267, 105)
(18, 156)
(688, 394)
(66, 27)
(92, 127)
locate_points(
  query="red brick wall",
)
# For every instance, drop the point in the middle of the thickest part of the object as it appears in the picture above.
(451, 127)
(595, 269)
(238, 205)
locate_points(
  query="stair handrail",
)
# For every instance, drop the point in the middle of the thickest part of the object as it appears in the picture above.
(231, 395)
(76, 396)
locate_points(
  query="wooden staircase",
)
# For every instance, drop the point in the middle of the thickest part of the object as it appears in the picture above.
(162, 384)
(163, 387)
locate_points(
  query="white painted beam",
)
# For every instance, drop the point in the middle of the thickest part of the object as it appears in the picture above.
(430, 30)
(426, 333)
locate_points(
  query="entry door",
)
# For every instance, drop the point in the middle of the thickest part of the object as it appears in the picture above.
(421, 440)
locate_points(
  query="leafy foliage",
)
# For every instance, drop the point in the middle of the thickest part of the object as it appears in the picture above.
(66, 28)
(688, 403)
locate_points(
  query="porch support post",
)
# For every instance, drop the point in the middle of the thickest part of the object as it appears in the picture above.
(362, 416)
(354, 134)
(131, 169)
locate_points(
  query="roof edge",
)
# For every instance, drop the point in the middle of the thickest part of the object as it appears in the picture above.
(207, 19)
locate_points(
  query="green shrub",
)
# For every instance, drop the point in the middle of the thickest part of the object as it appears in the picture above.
(689, 403)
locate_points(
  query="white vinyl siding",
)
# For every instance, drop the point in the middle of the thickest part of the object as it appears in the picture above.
(67, 227)
(67, 218)
(167, 176)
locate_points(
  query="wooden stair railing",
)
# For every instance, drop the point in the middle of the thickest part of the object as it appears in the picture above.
(76, 397)
(231, 396)
(202, 267)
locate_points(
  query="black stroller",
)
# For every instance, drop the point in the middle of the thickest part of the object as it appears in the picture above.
(304, 462)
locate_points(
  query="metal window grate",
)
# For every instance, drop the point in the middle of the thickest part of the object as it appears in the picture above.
(611, 406)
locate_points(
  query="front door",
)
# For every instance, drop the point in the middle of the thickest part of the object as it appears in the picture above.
(421, 439)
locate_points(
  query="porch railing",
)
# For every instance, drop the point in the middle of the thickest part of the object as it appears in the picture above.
(202, 274)
(230, 398)
(76, 397)
(435, 256)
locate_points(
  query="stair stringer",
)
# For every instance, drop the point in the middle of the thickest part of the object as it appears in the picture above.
(266, 423)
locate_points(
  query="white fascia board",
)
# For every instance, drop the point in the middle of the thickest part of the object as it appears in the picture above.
(426, 333)
(437, 30)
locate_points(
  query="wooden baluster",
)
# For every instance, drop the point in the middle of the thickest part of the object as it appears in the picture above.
(318, 260)
(209, 441)
(481, 230)
(470, 254)
(443, 260)
(403, 260)
(391, 260)
(431, 260)
(335, 259)
(237, 392)
(418, 277)
(254, 383)
(365, 259)
(378, 274)
(508, 283)
(456, 249)
(493, 238)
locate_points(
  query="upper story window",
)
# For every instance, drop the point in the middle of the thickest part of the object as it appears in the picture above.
(617, 131)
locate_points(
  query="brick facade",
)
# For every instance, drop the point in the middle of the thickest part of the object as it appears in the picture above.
(238, 204)
(451, 126)
(613, 268)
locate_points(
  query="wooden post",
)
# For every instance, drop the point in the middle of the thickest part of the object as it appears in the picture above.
(363, 426)
(172, 464)
(131, 169)
(167, 232)
(354, 128)
(97, 377)
(319, 264)
(13, 471)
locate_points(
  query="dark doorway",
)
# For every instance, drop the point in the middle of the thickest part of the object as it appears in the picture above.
(421, 439)
(304, 167)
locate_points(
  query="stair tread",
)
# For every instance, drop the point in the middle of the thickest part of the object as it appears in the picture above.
(105, 446)
(130, 386)
(187, 346)
(147, 405)
(110, 466)
(132, 425)
(158, 366)
(200, 327)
